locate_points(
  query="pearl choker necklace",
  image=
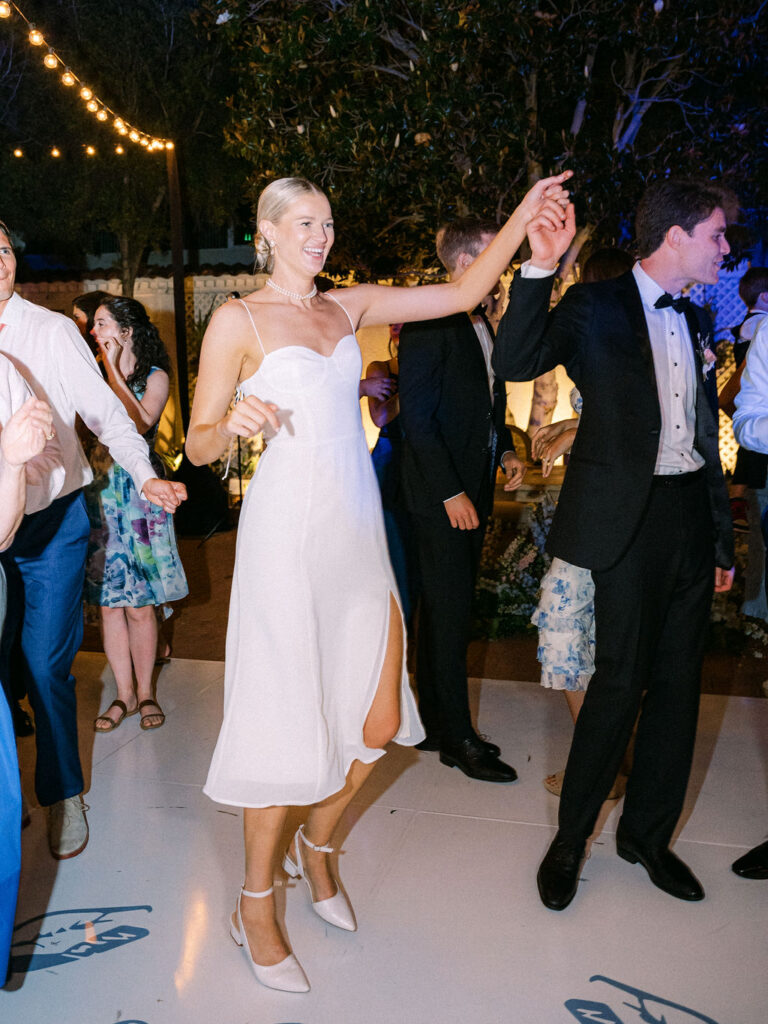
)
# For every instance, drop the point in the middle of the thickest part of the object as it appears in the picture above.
(292, 295)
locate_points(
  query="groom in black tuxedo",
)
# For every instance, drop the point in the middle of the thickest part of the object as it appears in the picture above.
(643, 505)
(452, 410)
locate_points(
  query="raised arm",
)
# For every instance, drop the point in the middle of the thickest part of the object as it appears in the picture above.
(374, 304)
(222, 358)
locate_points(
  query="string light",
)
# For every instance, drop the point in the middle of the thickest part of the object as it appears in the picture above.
(55, 152)
(119, 150)
(18, 152)
(93, 103)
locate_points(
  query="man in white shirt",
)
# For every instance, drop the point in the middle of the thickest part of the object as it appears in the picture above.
(45, 565)
(643, 506)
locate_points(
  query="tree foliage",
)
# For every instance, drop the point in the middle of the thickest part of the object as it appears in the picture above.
(412, 112)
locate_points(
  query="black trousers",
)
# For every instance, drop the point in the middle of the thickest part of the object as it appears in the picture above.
(651, 616)
(448, 563)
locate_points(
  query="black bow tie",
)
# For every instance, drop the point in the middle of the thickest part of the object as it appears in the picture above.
(679, 305)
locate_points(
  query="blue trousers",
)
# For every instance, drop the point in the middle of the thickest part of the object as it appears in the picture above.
(45, 568)
(10, 820)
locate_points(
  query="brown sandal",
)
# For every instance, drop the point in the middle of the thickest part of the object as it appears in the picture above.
(152, 714)
(114, 722)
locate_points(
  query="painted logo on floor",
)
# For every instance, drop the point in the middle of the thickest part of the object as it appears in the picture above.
(67, 936)
(648, 1008)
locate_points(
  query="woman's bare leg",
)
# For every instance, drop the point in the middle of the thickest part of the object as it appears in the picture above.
(262, 831)
(142, 636)
(114, 632)
(575, 700)
(381, 725)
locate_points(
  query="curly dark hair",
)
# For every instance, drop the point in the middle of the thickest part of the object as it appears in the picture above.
(148, 347)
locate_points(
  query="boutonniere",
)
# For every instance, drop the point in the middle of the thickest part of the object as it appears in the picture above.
(706, 355)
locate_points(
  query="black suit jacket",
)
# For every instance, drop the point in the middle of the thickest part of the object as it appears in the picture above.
(599, 333)
(447, 413)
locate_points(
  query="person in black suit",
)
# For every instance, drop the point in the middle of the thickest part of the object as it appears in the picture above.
(644, 507)
(452, 410)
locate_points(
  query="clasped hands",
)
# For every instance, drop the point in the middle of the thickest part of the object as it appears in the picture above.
(551, 441)
(25, 434)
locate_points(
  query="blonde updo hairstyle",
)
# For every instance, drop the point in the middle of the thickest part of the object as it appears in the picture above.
(273, 202)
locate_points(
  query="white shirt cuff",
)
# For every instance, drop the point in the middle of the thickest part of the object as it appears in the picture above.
(528, 270)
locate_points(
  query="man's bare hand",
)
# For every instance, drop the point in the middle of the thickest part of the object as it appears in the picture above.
(549, 240)
(462, 513)
(514, 470)
(723, 579)
(168, 494)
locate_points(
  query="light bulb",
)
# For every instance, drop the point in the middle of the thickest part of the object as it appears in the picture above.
(85, 93)
(123, 130)
(55, 151)
(102, 115)
(35, 36)
(92, 105)
(169, 145)
(119, 150)
(134, 136)
(18, 152)
(68, 78)
(51, 60)
(144, 142)
(118, 123)
(90, 151)
(5, 9)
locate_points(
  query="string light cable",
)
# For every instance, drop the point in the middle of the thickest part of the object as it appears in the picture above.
(93, 104)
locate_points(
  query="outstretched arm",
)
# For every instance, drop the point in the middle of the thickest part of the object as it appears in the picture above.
(370, 304)
(530, 342)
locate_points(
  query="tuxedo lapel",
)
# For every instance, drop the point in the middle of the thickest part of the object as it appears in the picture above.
(629, 294)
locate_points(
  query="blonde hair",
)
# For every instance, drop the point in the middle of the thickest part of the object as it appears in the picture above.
(273, 202)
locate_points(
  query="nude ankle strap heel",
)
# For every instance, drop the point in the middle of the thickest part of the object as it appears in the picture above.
(336, 910)
(286, 976)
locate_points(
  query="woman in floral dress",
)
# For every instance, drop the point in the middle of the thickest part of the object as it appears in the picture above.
(133, 564)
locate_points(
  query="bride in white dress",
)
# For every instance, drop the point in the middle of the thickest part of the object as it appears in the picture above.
(315, 680)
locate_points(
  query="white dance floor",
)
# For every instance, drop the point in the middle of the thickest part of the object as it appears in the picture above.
(440, 869)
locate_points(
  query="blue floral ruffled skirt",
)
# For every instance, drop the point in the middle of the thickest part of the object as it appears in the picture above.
(565, 619)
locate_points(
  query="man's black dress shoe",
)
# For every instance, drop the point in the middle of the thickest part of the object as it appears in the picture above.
(558, 874)
(473, 758)
(753, 864)
(665, 869)
(432, 742)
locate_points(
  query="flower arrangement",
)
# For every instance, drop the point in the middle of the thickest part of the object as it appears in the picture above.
(510, 574)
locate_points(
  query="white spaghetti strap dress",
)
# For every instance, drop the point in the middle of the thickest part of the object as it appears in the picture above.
(310, 605)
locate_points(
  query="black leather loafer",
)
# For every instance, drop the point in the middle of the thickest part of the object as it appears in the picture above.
(665, 869)
(472, 757)
(558, 875)
(432, 742)
(753, 864)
